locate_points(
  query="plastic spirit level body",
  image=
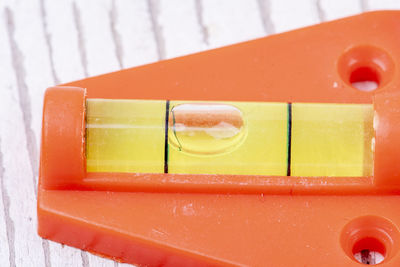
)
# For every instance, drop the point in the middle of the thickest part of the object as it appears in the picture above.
(168, 201)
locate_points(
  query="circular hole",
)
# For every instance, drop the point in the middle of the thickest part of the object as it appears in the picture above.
(370, 240)
(364, 79)
(366, 68)
(369, 251)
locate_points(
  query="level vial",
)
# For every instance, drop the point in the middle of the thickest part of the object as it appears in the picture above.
(243, 138)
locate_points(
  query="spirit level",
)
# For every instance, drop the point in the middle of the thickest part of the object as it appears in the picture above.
(256, 154)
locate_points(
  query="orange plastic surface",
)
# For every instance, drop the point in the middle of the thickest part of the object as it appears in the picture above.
(228, 220)
(62, 153)
(387, 139)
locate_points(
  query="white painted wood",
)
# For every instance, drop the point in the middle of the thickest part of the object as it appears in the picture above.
(382, 4)
(4, 198)
(6, 224)
(180, 28)
(133, 30)
(29, 39)
(17, 177)
(289, 15)
(61, 30)
(339, 8)
(93, 19)
(44, 42)
(230, 21)
(17, 183)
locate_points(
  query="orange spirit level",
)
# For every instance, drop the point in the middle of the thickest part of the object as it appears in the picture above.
(258, 154)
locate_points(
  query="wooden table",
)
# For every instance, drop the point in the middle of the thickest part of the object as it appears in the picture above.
(44, 42)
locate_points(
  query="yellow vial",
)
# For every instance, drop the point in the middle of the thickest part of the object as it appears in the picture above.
(240, 138)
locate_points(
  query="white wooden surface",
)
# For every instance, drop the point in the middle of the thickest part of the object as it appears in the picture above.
(45, 42)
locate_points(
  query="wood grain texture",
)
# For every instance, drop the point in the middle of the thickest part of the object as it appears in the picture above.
(44, 42)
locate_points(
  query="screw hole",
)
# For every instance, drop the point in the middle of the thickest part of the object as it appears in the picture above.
(364, 79)
(366, 68)
(369, 251)
(370, 240)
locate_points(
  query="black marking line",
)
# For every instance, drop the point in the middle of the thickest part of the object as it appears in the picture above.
(289, 141)
(166, 137)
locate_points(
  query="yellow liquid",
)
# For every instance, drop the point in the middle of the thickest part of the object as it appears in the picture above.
(244, 138)
(125, 136)
(261, 148)
(332, 140)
